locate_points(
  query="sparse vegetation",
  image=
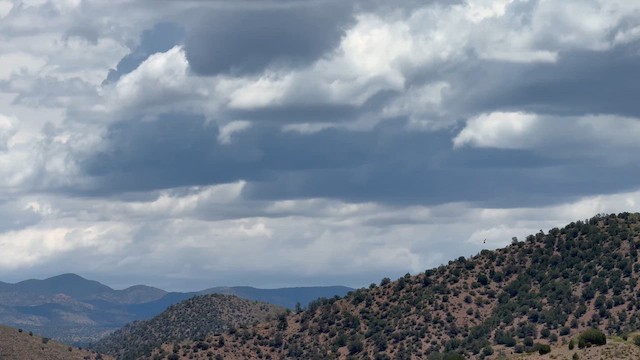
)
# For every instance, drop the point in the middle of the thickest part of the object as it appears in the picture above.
(19, 345)
(523, 298)
(195, 318)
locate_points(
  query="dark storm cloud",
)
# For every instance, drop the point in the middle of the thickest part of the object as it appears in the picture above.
(247, 40)
(183, 150)
(388, 165)
(580, 82)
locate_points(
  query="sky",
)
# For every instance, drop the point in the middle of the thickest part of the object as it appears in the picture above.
(189, 144)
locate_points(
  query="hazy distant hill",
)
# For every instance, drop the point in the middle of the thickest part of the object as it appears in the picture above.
(544, 290)
(18, 344)
(191, 319)
(75, 310)
(35, 292)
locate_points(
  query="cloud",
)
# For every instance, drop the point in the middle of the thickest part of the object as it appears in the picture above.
(227, 131)
(545, 133)
(159, 39)
(499, 129)
(248, 40)
(216, 142)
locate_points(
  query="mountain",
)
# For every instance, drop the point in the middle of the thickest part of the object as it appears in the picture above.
(74, 310)
(194, 318)
(543, 291)
(17, 344)
(33, 292)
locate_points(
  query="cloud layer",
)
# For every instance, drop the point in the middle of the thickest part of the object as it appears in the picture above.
(286, 142)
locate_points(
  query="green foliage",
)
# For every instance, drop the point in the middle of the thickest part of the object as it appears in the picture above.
(452, 356)
(355, 346)
(592, 337)
(542, 348)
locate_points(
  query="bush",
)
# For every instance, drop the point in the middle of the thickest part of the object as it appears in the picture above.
(592, 337)
(487, 351)
(636, 340)
(572, 344)
(542, 348)
(452, 356)
(355, 346)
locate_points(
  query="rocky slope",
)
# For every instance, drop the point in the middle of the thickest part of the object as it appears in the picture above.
(17, 344)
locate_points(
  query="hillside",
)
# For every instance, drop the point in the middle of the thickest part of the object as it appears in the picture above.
(75, 310)
(191, 319)
(17, 344)
(543, 290)
(287, 297)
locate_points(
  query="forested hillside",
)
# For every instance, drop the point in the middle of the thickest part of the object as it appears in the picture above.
(543, 290)
(194, 318)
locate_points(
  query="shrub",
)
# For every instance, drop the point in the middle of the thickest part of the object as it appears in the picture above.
(355, 346)
(544, 333)
(452, 356)
(636, 340)
(571, 344)
(542, 348)
(592, 337)
(487, 351)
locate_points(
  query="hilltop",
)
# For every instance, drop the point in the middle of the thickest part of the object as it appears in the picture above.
(17, 344)
(544, 290)
(191, 319)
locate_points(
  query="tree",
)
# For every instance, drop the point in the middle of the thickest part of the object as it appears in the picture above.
(282, 322)
(592, 337)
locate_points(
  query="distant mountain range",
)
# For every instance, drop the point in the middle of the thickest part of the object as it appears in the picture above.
(74, 310)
